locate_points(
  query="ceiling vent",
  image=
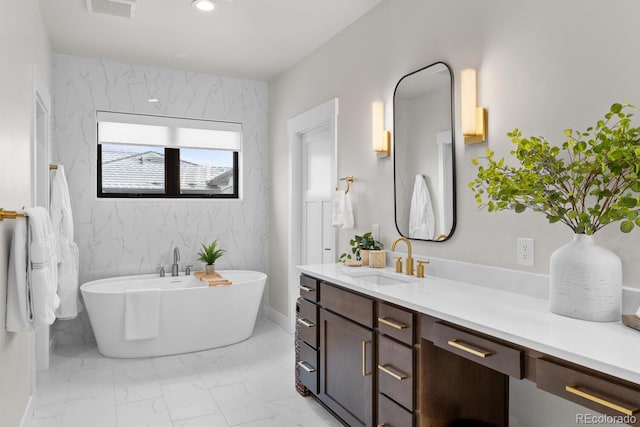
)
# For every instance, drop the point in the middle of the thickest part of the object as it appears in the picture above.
(121, 8)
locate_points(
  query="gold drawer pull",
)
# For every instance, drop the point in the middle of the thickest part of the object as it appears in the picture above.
(304, 366)
(395, 375)
(384, 425)
(306, 288)
(627, 411)
(463, 347)
(364, 358)
(305, 322)
(393, 324)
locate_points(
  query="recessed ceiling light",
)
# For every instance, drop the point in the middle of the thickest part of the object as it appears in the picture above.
(204, 5)
(153, 100)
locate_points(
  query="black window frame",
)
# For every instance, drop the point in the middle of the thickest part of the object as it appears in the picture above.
(171, 180)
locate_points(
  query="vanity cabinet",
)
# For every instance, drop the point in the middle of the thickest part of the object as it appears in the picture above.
(307, 360)
(375, 363)
(346, 357)
(396, 366)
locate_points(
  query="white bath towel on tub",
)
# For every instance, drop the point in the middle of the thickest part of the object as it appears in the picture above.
(141, 314)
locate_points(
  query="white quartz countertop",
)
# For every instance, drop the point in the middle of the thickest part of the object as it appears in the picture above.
(524, 320)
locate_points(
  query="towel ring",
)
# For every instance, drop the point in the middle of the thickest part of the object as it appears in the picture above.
(349, 179)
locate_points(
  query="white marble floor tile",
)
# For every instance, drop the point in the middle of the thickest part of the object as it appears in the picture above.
(189, 400)
(239, 405)
(249, 384)
(216, 420)
(95, 411)
(143, 413)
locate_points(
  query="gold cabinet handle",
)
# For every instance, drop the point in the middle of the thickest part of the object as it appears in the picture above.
(463, 347)
(306, 288)
(306, 367)
(398, 376)
(364, 358)
(393, 324)
(626, 411)
(383, 425)
(305, 322)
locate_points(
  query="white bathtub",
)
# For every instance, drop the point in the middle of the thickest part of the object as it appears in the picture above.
(193, 316)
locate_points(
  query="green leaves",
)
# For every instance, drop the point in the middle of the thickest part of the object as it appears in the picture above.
(587, 182)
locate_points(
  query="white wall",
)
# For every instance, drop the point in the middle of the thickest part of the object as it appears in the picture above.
(23, 43)
(543, 67)
(124, 237)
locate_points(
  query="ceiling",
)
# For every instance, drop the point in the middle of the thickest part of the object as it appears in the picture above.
(257, 39)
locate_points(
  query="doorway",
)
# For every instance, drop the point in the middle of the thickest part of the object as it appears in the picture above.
(313, 151)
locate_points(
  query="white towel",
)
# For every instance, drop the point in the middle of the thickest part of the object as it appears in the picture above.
(141, 314)
(43, 267)
(337, 208)
(348, 220)
(19, 312)
(67, 250)
(421, 218)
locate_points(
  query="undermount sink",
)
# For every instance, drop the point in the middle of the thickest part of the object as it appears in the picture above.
(382, 279)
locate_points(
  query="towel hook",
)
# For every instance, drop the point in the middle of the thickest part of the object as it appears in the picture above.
(349, 179)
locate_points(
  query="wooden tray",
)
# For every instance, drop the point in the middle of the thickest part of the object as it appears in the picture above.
(204, 276)
(631, 320)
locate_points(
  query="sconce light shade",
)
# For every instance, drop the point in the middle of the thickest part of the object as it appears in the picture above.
(474, 118)
(381, 138)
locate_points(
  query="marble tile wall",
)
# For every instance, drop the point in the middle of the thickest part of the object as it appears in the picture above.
(129, 236)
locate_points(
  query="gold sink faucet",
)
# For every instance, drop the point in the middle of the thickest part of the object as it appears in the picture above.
(409, 271)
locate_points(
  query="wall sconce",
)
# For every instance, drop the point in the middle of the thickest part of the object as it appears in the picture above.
(474, 118)
(381, 138)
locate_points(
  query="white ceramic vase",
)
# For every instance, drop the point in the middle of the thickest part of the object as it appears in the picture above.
(585, 281)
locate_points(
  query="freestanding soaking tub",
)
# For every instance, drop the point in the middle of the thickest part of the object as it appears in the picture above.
(192, 315)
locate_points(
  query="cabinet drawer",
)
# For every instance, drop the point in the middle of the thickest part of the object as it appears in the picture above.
(348, 304)
(309, 288)
(390, 414)
(480, 349)
(396, 371)
(600, 394)
(396, 322)
(307, 366)
(308, 323)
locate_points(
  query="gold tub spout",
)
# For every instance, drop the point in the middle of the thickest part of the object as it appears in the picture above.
(409, 271)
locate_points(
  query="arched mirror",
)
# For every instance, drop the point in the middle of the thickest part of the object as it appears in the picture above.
(423, 154)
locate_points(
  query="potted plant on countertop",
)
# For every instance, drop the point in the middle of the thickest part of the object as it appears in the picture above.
(360, 247)
(590, 181)
(209, 255)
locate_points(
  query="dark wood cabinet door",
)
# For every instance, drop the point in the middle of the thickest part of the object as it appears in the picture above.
(346, 368)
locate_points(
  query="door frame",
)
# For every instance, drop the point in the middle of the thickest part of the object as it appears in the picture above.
(322, 115)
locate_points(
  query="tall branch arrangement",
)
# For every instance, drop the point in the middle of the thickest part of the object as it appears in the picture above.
(588, 182)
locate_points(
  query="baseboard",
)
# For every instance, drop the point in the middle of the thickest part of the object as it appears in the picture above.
(278, 318)
(27, 416)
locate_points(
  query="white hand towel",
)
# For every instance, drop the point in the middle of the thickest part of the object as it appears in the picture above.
(67, 250)
(18, 315)
(348, 220)
(141, 314)
(422, 221)
(43, 267)
(337, 208)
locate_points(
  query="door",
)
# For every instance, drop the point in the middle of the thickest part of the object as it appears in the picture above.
(312, 148)
(316, 160)
(346, 368)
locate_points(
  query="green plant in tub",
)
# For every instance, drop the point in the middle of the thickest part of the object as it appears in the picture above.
(590, 181)
(209, 254)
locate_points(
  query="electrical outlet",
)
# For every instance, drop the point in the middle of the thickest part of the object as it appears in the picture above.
(375, 231)
(525, 251)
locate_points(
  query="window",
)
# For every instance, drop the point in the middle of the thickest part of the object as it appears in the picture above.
(156, 156)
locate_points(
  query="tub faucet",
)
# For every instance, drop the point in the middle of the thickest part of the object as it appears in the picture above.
(176, 258)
